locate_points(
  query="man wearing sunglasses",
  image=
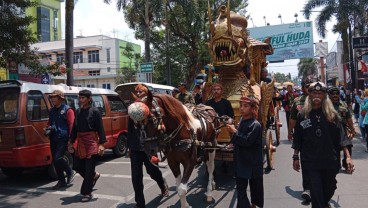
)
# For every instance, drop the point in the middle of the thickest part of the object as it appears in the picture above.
(342, 108)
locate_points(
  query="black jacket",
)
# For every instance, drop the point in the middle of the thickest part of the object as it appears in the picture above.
(248, 149)
(318, 152)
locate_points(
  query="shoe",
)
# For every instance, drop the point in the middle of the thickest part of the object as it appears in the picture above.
(165, 190)
(306, 195)
(59, 185)
(87, 198)
(97, 176)
(70, 178)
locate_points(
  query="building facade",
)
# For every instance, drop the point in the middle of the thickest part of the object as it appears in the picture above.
(97, 59)
(47, 26)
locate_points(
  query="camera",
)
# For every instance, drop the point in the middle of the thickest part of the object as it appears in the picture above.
(49, 130)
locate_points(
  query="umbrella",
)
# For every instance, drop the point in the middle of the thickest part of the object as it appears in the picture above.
(288, 83)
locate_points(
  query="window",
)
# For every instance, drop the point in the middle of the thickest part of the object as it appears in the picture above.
(43, 24)
(94, 73)
(98, 103)
(72, 101)
(93, 56)
(106, 86)
(116, 104)
(108, 69)
(78, 57)
(9, 104)
(91, 85)
(36, 106)
(60, 58)
(108, 55)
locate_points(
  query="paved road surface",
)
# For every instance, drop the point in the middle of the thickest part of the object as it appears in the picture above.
(114, 189)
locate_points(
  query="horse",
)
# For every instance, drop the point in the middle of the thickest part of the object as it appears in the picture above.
(170, 127)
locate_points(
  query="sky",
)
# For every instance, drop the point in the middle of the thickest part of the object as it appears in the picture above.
(98, 18)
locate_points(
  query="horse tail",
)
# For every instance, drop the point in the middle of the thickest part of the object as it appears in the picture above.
(175, 109)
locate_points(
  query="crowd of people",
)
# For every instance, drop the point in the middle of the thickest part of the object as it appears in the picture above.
(318, 122)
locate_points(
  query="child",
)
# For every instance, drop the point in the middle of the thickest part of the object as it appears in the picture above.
(247, 141)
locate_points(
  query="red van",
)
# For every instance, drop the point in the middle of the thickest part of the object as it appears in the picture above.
(24, 112)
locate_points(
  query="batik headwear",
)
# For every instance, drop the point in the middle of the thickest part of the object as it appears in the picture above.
(141, 87)
(317, 86)
(365, 93)
(253, 101)
(85, 93)
(138, 111)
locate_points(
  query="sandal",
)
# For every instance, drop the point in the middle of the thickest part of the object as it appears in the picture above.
(86, 198)
(97, 176)
(165, 190)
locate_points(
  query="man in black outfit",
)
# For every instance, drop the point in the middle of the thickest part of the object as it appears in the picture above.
(220, 104)
(318, 137)
(138, 158)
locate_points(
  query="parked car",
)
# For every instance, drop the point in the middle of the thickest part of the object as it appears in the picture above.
(24, 112)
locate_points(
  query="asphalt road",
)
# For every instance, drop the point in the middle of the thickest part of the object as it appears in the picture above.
(114, 189)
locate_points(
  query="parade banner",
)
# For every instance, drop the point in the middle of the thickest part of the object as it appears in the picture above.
(290, 41)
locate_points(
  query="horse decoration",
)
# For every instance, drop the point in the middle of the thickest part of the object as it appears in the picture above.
(171, 128)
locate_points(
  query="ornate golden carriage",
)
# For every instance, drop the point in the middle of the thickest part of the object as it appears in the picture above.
(239, 59)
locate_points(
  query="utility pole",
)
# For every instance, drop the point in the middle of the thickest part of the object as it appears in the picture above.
(321, 61)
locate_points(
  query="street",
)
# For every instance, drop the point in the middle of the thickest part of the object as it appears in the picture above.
(114, 188)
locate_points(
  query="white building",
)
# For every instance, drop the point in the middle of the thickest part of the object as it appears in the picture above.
(96, 59)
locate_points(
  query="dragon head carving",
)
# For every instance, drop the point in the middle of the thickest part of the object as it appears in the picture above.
(228, 41)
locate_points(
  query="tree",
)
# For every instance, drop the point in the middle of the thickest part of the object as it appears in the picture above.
(281, 77)
(128, 73)
(348, 13)
(69, 41)
(15, 35)
(187, 22)
(307, 67)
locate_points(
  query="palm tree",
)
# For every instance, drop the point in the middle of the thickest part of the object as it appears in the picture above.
(69, 45)
(307, 67)
(347, 13)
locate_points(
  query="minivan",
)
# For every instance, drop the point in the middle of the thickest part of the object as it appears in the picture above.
(125, 90)
(24, 112)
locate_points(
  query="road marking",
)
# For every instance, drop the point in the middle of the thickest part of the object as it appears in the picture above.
(120, 199)
(146, 187)
(65, 193)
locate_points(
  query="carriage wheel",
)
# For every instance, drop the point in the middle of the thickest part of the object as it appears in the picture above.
(270, 149)
(277, 126)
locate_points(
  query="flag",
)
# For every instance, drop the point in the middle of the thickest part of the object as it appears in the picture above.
(347, 74)
(362, 66)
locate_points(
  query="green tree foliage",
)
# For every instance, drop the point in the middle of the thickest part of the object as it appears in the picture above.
(16, 38)
(281, 77)
(128, 73)
(307, 67)
(187, 22)
(348, 13)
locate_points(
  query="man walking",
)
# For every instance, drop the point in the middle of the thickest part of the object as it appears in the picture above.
(346, 120)
(60, 124)
(88, 127)
(318, 138)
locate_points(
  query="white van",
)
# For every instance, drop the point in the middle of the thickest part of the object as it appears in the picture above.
(125, 90)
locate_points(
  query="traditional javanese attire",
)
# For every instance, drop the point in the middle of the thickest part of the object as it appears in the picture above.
(89, 132)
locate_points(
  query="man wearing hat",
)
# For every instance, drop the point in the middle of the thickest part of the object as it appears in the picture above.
(318, 138)
(295, 108)
(342, 108)
(248, 148)
(60, 124)
(184, 96)
(88, 128)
